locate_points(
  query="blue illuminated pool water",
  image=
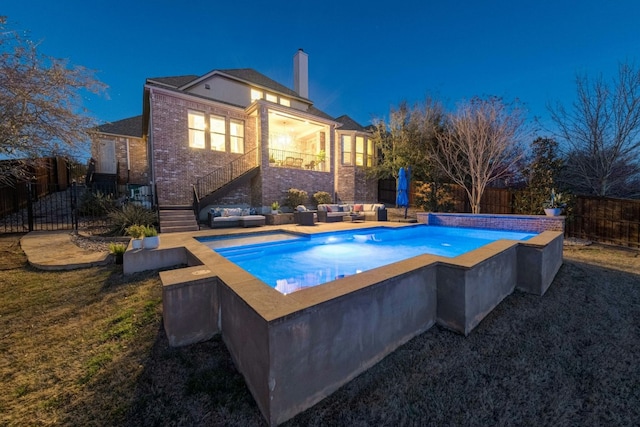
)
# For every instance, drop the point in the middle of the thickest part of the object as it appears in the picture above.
(288, 261)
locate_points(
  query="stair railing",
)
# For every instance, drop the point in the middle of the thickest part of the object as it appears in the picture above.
(196, 202)
(223, 175)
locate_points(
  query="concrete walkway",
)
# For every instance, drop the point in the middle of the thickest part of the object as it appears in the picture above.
(54, 250)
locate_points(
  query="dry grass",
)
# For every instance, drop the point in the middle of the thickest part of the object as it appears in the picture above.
(87, 348)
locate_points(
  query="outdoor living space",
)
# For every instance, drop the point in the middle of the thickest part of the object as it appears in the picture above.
(297, 142)
(276, 340)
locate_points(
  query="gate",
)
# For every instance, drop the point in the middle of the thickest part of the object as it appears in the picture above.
(34, 206)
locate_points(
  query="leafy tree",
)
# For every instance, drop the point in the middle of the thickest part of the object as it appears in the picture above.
(405, 139)
(408, 140)
(602, 132)
(41, 112)
(541, 173)
(480, 145)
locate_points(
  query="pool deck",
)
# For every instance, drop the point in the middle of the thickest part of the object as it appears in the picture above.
(293, 350)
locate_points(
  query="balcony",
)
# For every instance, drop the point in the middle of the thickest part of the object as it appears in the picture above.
(297, 160)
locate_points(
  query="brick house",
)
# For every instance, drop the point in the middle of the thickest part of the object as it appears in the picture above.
(120, 151)
(236, 137)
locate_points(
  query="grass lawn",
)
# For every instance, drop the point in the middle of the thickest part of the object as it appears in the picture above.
(86, 347)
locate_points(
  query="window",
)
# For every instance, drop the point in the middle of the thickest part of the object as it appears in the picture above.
(369, 152)
(217, 132)
(271, 97)
(346, 149)
(359, 151)
(285, 102)
(236, 134)
(196, 129)
(256, 94)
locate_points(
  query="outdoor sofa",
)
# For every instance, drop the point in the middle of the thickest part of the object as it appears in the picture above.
(338, 212)
(234, 217)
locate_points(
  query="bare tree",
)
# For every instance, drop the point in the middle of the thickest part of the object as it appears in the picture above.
(41, 101)
(602, 132)
(481, 144)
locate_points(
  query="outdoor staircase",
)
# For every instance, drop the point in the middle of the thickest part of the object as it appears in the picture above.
(222, 180)
(174, 219)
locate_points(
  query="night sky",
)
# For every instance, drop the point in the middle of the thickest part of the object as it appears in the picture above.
(364, 57)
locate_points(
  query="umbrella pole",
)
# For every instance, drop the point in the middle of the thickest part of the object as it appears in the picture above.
(405, 212)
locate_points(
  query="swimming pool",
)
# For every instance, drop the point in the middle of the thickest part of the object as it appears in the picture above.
(289, 262)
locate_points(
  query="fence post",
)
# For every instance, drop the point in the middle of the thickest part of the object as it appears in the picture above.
(30, 205)
(74, 205)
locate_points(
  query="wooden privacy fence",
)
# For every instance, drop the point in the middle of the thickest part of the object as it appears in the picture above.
(599, 219)
(605, 220)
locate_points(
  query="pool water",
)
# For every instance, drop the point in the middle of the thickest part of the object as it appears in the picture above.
(289, 262)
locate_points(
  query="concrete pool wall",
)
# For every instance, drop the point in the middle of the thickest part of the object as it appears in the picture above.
(294, 350)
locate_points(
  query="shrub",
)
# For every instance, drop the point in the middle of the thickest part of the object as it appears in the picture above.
(150, 231)
(321, 198)
(296, 197)
(136, 231)
(117, 248)
(434, 198)
(130, 215)
(96, 204)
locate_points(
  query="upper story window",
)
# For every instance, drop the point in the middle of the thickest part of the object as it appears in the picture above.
(359, 151)
(346, 149)
(216, 132)
(236, 136)
(256, 94)
(196, 125)
(369, 152)
(271, 97)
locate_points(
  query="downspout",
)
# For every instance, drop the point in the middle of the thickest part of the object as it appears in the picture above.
(152, 170)
(128, 164)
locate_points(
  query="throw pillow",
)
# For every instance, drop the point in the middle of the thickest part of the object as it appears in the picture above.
(329, 209)
(357, 208)
(340, 208)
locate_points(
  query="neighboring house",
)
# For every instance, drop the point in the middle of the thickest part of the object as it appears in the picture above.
(120, 151)
(236, 137)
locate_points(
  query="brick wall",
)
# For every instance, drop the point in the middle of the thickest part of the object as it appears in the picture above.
(176, 165)
(526, 223)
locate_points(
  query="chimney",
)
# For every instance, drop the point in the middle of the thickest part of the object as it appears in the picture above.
(301, 73)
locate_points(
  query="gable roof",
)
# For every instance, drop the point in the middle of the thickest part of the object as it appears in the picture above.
(349, 124)
(126, 127)
(252, 76)
(174, 81)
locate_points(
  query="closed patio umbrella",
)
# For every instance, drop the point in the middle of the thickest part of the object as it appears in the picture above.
(402, 195)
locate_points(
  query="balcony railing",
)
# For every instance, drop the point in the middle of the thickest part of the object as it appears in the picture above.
(296, 160)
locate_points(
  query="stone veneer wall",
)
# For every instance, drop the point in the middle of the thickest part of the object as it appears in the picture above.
(176, 165)
(534, 223)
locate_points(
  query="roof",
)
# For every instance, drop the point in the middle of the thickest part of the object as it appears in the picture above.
(175, 81)
(252, 76)
(349, 124)
(126, 127)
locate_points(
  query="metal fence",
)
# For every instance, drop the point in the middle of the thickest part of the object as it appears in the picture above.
(47, 207)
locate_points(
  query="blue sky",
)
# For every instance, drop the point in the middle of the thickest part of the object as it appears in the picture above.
(364, 57)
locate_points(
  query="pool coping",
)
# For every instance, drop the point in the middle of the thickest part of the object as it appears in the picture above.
(260, 325)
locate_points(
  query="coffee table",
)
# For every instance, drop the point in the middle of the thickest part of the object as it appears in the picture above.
(356, 217)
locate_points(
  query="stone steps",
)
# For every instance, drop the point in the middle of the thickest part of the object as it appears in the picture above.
(175, 220)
